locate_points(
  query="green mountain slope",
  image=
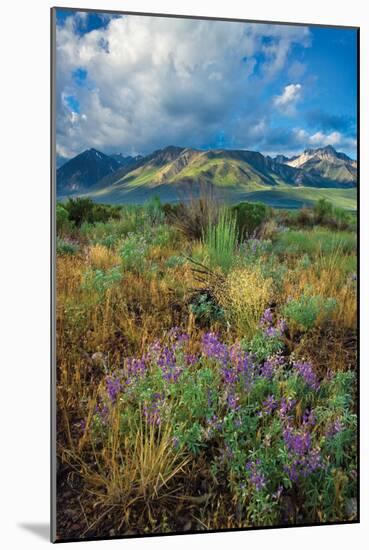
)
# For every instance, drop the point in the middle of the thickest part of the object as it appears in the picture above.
(175, 173)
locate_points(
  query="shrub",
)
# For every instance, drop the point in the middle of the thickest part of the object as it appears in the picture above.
(100, 280)
(249, 218)
(66, 248)
(63, 223)
(133, 251)
(193, 216)
(220, 241)
(205, 309)
(160, 235)
(244, 296)
(306, 311)
(262, 345)
(323, 211)
(85, 210)
(305, 217)
(342, 218)
(153, 211)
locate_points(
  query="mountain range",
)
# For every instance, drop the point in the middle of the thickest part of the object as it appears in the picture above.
(234, 173)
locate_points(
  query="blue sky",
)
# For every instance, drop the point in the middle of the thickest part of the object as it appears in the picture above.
(134, 84)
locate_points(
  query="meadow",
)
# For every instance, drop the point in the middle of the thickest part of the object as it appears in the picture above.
(206, 366)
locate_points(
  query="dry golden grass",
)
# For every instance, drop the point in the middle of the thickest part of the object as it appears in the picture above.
(138, 467)
(100, 257)
(244, 296)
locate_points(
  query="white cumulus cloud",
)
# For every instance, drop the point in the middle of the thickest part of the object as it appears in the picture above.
(287, 101)
(155, 81)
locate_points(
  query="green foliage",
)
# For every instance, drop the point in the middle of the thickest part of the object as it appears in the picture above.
(205, 309)
(305, 311)
(161, 235)
(314, 242)
(63, 223)
(153, 211)
(323, 210)
(133, 251)
(249, 217)
(85, 210)
(100, 281)
(66, 248)
(174, 261)
(220, 241)
(262, 346)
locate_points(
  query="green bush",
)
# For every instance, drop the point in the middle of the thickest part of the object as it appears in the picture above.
(205, 309)
(305, 311)
(323, 211)
(85, 210)
(249, 218)
(63, 223)
(153, 211)
(65, 248)
(263, 346)
(133, 252)
(100, 280)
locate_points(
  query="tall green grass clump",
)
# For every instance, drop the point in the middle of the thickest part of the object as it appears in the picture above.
(221, 241)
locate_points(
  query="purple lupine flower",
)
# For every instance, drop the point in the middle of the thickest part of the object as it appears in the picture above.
(113, 386)
(297, 442)
(309, 418)
(286, 406)
(214, 349)
(335, 428)
(313, 462)
(232, 402)
(266, 318)
(306, 372)
(270, 365)
(241, 367)
(102, 412)
(152, 410)
(270, 404)
(136, 368)
(282, 326)
(304, 458)
(191, 359)
(267, 369)
(230, 375)
(257, 478)
(214, 423)
(271, 332)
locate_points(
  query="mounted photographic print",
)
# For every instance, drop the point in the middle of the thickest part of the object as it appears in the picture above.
(204, 270)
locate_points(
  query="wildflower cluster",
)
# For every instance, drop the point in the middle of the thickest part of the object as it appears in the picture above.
(267, 324)
(244, 413)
